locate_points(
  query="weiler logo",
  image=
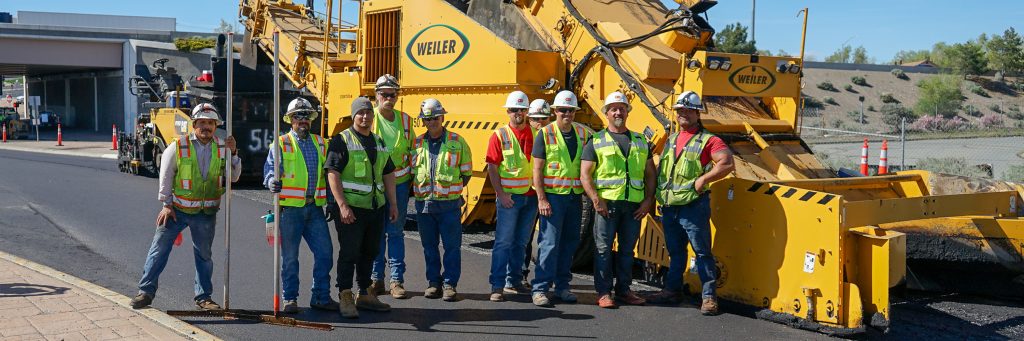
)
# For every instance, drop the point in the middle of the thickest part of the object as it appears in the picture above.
(752, 79)
(437, 47)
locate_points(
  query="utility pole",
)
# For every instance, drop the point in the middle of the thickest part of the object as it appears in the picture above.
(753, 16)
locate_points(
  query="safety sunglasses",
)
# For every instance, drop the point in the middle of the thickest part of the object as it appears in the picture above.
(388, 94)
(517, 110)
(430, 119)
(565, 110)
(539, 119)
(297, 117)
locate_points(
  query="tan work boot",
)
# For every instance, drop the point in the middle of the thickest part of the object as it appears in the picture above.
(347, 304)
(709, 306)
(397, 290)
(376, 287)
(433, 291)
(370, 302)
(449, 293)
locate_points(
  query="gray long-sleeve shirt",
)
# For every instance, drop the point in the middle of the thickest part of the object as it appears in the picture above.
(169, 167)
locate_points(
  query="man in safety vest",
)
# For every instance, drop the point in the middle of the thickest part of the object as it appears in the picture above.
(303, 195)
(540, 116)
(509, 170)
(556, 169)
(395, 127)
(618, 175)
(692, 159)
(191, 185)
(362, 179)
(441, 165)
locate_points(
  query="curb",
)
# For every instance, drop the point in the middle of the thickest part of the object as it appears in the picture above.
(161, 318)
(112, 156)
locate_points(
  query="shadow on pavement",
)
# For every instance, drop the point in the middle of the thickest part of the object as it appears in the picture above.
(25, 290)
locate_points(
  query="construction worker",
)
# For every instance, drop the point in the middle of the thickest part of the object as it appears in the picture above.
(540, 116)
(509, 170)
(395, 127)
(303, 195)
(362, 179)
(556, 168)
(441, 165)
(692, 159)
(191, 185)
(618, 175)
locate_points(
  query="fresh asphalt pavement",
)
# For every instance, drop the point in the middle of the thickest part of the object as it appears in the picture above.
(81, 216)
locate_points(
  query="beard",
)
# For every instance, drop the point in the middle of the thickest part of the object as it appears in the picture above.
(302, 130)
(517, 119)
(618, 122)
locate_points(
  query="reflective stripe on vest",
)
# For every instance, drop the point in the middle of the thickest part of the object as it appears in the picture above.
(191, 193)
(448, 172)
(561, 173)
(515, 170)
(294, 179)
(618, 176)
(676, 174)
(362, 181)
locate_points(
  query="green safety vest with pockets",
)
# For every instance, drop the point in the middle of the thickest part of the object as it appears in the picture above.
(294, 178)
(561, 173)
(515, 170)
(362, 181)
(676, 174)
(619, 177)
(192, 193)
(398, 141)
(453, 162)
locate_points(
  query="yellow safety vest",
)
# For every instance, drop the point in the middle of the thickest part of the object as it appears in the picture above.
(676, 176)
(617, 176)
(453, 162)
(515, 170)
(561, 173)
(363, 182)
(192, 193)
(294, 178)
(399, 144)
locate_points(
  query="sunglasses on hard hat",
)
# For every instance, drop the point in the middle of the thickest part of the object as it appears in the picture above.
(387, 94)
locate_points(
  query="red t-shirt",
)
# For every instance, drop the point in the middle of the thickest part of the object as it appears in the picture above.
(714, 145)
(525, 138)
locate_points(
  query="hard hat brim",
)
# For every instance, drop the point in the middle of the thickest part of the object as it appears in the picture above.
(422, 115)
(693, 107)
(516, 107)
(604, 108)
(538, 114)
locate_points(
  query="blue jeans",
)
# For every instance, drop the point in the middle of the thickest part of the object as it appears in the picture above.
(203, 227)
(393, 239)
(309, 223)
(689, 223)
(510, 238)
(437, 228)
(619, 223)
(557, 242)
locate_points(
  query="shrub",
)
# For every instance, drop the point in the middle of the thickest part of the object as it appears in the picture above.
(950, 165)
(932, 123)
(992, 121)
(886, 97)
(827, 86)
(939, 95)
(837, 124)
(871, 108)
(1014, 112)
(849, 88)
(971, 110)
(811, 102)
(892, 113)
(194, 43)
(1015, 173)
(854, 115)
(977, 90)
(829, 100)
(899, 74)
(995, 108)
(859, 80)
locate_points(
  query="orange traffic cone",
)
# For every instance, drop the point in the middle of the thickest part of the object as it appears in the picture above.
(60, 136)
(883, 160)
(177, 241)
(113, 137)
(5, 132)
(864, 158)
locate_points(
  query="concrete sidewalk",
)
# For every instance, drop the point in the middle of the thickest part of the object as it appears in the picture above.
(39, 303)
(74, 148)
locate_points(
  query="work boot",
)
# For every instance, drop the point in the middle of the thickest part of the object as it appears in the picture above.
(347, 304)
(370, 302)
(497, 295)
(329, 305)
(566, 296)
(709, 306)
(397, 290)
(520, 289)
(449, 293)
(290, 307)
(433, 291)
(606, 301)
(142, 300)
(666, 297)
(541, 300)
(207, 304)
(376, 287)
(630, 298)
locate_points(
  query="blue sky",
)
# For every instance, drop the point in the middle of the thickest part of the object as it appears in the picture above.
(882, 27)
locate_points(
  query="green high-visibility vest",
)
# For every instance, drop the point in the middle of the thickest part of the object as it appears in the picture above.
(294, 178)
(562, 173)
(363, 181)
(397, 136)
(515, 170)
(619, 177)
(192, 193)
(676, 174)
(454, 161)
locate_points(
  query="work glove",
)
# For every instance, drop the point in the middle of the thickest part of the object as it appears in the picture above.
(331, 211)
(275, 186)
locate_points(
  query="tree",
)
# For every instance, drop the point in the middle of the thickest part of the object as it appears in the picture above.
(194, 43)
(939, 54)
(1006, 52)
(733, 39)
(860, 56)
(967, 58)
(842, 55)
(226, 27)
(907, 56)
(939, 95)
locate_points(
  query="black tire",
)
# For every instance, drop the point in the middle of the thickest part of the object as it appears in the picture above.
(152, 153)
(583, 258)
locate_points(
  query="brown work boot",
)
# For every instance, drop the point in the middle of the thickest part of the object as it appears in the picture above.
(376, 287)
(347, 304)
(709, 306)
(207, 304)
(142, 300)
(630, 298)
(397, 290)
(370, 302)
(433, 291)
(666, 297)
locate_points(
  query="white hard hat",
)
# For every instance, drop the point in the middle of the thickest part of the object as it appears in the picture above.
(517, 100)
(387, 81)
(688, 100)
(539, 108)
(616, 97)
(565, 99)
(300, 105)
(431, 108)
(205, 111)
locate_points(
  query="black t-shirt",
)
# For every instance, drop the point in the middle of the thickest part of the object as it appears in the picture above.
(539, 152)
(337, 153)
(621, 139)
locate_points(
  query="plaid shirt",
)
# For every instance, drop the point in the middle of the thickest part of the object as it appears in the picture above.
(309, 153)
